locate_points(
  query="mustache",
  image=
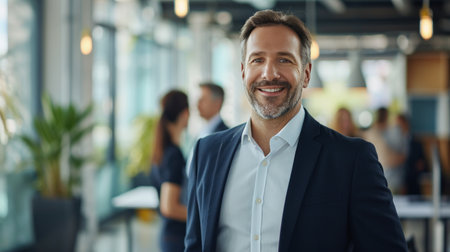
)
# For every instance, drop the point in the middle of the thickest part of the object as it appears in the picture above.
(257, 84)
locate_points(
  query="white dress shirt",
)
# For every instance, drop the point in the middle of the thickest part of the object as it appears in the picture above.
(255, 192)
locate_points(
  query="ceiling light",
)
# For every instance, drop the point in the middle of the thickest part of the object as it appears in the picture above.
(86, 42)
(259, 4)
(223, 17)
(426, 21)
(181, 8)
(356, 78)
(315, 51)
(311, 21)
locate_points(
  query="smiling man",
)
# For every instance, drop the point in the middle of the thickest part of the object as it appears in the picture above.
(282, 181)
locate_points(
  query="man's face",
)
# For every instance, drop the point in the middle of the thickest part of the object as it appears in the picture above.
(272, 72)
(207, 106)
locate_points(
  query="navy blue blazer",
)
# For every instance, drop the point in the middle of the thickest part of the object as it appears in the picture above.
(337, 196)
(221, 126)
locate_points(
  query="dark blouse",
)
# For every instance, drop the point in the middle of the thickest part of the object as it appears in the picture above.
(171, 169)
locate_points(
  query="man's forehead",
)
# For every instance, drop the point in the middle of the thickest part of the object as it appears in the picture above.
(205, 90)
(278, 37)
(274, 28)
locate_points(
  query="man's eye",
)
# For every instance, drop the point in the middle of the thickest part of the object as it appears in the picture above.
(257, 60)
(285, 60)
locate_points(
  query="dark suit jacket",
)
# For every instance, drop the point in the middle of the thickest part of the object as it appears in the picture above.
(337, 195)
(221, 126)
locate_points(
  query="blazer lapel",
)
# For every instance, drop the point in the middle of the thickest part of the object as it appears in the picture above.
(226, 151)
(305, 159)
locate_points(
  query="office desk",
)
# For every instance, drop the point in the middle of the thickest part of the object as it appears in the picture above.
(415, 208)
(143, 197)
(411, 207)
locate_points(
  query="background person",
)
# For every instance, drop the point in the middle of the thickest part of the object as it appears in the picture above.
(416, 163)
(343, 123)
(168, 174)
(209, 105)
(391, 148)
(282, 181)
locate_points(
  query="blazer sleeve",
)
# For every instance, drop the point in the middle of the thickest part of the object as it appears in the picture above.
(193, 241)
(374, 223)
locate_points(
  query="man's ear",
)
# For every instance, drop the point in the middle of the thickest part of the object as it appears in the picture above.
(242, 71)
(307, 75)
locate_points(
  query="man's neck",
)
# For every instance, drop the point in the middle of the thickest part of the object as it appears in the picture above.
(264, 129)
(210, 126)
(212, 118)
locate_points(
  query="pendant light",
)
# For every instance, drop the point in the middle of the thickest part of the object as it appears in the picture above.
(356, 78)
(181, 8)
(311, 20)
(86, 42)
(426, 21)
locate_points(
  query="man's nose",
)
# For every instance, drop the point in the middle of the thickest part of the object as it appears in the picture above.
(270, 72)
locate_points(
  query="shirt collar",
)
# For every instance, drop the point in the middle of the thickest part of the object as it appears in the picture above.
(289, 133)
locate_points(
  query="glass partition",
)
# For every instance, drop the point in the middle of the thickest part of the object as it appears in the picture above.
(19, 77)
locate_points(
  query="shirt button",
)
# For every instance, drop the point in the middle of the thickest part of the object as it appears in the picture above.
(258, 200)
(264, 163)
(256, 237)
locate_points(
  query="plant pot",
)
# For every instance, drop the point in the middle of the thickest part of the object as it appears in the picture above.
(56, 223)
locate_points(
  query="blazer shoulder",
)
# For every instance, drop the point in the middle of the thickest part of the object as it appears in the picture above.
(222, 136)
(221, 126)
(332, 137)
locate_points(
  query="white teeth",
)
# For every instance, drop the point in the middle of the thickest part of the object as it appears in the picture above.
(271, 90)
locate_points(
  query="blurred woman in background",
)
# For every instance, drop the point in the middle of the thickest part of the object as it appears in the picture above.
(343, 123)
(168, 170)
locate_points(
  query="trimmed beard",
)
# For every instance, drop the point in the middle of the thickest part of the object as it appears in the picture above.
(271, 111)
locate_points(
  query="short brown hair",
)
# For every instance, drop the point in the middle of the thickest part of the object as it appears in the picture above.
(270, 17)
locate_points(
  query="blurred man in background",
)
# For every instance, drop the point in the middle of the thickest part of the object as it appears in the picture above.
(209, 105)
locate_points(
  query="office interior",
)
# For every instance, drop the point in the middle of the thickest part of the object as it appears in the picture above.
(119, 57)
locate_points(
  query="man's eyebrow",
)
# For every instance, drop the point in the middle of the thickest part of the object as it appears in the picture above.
(286, 54)
(256, 54)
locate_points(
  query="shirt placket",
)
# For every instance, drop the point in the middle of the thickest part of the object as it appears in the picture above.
(257, 204)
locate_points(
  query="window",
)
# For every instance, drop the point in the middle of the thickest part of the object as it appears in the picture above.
(19, 66)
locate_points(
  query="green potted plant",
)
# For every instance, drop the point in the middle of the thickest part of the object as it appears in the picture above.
(9, 109)
(142, 147)
(10, 120)
(56, 207)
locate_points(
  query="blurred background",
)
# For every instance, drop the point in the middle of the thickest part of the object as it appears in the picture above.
(81, 81)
